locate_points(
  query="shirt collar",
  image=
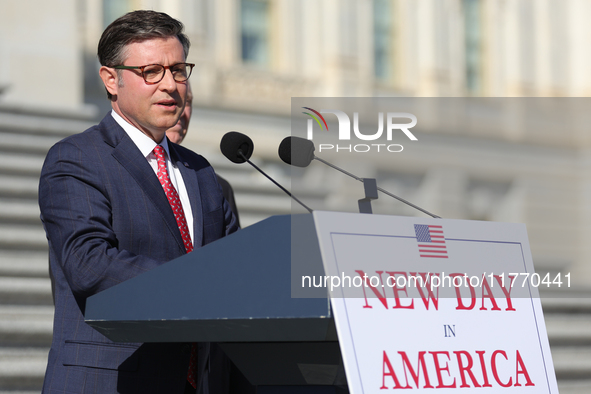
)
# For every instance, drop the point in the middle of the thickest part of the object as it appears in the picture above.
(144, 143)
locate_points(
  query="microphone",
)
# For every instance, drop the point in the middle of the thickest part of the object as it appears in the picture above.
(238, 148)
(299, 152)
(303, 151)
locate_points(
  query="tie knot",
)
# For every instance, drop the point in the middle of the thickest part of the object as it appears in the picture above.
(159, 151)
(160, 155)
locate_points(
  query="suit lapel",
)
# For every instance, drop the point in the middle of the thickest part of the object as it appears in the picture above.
(191, 181)
(130, 158)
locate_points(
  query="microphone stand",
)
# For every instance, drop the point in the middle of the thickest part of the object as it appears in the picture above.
(272, 180)
(370, 186)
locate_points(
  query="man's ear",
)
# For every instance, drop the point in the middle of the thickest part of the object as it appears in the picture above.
(110, 79)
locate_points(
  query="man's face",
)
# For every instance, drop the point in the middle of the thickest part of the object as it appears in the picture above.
(178, 132)
(151, 108)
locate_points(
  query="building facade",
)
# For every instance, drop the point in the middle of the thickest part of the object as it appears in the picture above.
(253, 56)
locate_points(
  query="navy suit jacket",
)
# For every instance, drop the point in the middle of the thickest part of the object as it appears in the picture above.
(107, 219)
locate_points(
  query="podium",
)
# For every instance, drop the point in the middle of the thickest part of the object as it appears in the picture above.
(237, 292)
(394, 303)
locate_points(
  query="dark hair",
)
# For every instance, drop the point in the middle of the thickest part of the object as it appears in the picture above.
(137, 26)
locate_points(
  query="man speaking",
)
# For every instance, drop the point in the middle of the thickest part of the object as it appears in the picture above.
(117, 200)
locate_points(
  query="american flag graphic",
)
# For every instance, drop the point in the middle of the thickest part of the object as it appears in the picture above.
(431, 241)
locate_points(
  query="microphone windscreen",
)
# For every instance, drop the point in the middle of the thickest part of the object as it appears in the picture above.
(233, 143)
(296, 151)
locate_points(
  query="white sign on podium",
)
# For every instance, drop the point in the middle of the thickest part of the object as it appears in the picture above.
(435, 304)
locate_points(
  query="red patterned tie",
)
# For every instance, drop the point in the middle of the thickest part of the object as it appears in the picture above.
(179, 215)
(173, 198)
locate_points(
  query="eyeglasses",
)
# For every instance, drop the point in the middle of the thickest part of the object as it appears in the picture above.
(154, 73)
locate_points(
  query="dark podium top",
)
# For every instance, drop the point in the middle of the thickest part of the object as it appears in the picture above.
(237, 289)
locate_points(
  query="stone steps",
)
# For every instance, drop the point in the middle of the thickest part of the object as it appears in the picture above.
(572, 362)
(39, 125)
(22, 369)
(15, 186)
(24, 264)
(28, 326)
(25, 291)
(19, 392)
(258, 198)
(23, 211)
(566, 302)
(27, 143)
(26, 305)
(568, 323)
(573, 386)
(22, 237)
(21, 164)
(26, 310)
(569, 329)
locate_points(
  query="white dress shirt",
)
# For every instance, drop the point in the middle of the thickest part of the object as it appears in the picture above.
(146, 145)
